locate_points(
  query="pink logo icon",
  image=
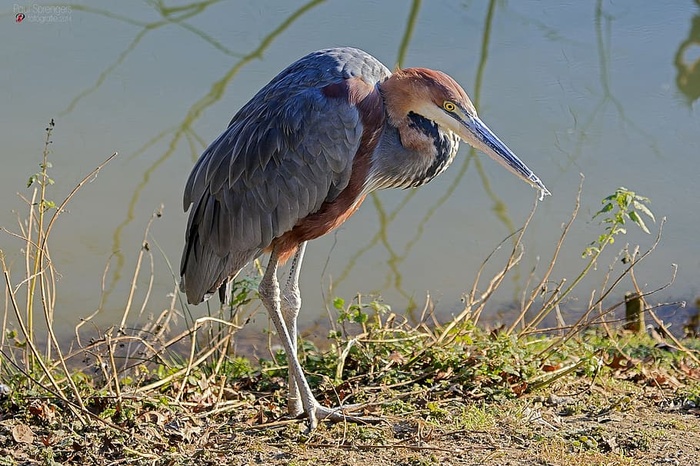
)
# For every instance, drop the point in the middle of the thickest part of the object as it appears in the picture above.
(19, 17)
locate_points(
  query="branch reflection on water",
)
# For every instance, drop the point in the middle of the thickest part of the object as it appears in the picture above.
(688, 81)
(185, 129)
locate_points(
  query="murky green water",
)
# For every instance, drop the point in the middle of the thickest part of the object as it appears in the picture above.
(607, 89)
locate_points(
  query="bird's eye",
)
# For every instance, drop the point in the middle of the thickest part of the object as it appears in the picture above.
(449, 106)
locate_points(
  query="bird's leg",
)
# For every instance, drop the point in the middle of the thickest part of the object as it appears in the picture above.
(270, 295)
(290, 304)
(269, 291)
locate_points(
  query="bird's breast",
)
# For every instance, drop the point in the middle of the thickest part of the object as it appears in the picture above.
(411, 155)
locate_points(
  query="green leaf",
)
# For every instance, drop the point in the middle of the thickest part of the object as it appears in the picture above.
(627, 199)
(634, 216)
(339, 303)
(47, 204)
(606, 208)
(644, 209)
(361, 317)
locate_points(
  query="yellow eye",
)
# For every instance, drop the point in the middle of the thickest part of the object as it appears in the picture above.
(449, 106)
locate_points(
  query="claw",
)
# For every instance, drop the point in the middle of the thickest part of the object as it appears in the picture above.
(322, 413)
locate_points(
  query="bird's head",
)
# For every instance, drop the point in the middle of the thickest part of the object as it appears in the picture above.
(440, 99)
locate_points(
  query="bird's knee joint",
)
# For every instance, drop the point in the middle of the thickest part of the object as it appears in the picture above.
(292, 295)
(291, 304)
(268, 293)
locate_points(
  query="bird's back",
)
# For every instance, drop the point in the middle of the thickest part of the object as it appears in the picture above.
(288, 151)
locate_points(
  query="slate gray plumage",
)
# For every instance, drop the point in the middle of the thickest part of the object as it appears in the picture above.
(283, 154)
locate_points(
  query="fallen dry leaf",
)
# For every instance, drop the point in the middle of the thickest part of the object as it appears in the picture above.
(620, 362)
(22, 433)
(44, 411)
(154, 417)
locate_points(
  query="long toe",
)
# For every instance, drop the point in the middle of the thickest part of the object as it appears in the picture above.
(340, 414)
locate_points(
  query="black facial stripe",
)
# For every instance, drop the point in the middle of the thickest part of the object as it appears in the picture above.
(443, 146)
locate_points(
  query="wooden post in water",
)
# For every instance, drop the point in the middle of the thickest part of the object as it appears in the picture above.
(634, 312)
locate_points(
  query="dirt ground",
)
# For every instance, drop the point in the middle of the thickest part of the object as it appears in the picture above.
(615, 424)
(524, 432)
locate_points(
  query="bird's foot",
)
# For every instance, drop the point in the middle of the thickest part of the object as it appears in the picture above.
(339, 414)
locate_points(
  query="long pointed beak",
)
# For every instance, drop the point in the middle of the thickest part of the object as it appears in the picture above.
(482, 138)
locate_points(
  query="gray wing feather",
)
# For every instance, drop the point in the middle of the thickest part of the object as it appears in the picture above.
(284, 153)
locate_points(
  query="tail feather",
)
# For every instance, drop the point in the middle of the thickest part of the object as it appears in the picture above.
(203, 272)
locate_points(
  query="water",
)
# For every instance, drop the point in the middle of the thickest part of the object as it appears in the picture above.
(604, 89)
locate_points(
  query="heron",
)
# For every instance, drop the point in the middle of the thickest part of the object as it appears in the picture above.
(298, 159)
